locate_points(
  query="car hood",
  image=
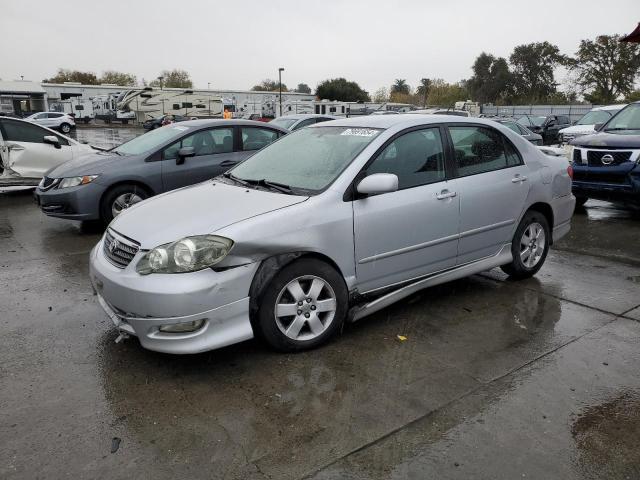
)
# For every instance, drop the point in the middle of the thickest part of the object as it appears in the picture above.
(90, 163)
(610, 140)
(196, 210)
(581, 129)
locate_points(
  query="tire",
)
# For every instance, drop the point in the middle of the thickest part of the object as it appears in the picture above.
(308, 279)
(65, 128)
(533, 224)
(120, 198)
(580, 201)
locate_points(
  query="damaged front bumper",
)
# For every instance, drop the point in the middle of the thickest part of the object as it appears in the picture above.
(217, 303)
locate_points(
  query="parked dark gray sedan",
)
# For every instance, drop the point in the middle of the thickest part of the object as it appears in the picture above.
(100, 185)
(520, 130)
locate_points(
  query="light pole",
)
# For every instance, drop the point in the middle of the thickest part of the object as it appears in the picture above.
(280, 70)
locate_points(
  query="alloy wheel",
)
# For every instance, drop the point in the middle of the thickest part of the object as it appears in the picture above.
(123, 202)
(532, 245)
(305, 308)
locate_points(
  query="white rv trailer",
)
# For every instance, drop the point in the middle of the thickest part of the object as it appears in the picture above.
(105, 107)
(154, 102)
(81, 109)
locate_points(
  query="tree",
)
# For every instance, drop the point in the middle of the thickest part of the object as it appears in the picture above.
(175, 78)
(446, 94)
(423, 90)
(268, 85)
(342, 90)
(606, 68)
(533, 66)
(633, 96)
(492, 81)
(118, 78)
(64, 75)
(303, 88)
(400, 86)
(381, 95)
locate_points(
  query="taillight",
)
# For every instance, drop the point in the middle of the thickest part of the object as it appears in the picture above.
(570, 171)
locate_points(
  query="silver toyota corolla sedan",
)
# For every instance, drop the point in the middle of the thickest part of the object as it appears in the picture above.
(329, 224)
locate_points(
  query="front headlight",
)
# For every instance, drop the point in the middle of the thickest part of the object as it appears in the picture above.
(75, 181)
(187, 255)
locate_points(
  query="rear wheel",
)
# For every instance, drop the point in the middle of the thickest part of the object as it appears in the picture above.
(65, 128)
(118, 199)
(529, 246)
(303, 306)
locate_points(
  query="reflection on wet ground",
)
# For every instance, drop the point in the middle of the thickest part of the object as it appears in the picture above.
(496, 379)
(105, 137)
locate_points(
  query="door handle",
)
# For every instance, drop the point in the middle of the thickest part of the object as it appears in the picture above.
(228, 163)
(519, 178)
(444, 194)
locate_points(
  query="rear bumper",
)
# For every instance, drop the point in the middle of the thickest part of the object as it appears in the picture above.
(563, 208)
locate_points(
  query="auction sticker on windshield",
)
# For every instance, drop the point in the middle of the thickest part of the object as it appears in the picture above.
(360, 132)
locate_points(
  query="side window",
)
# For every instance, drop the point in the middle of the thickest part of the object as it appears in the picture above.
(255, 138)
(23, 132)
(207, 142)
(305, 123)
(417, 158)
(563, 120)
(54, 115)
(512, 126)
(478, 150)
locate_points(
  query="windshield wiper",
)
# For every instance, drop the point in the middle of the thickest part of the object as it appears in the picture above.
(234, 178)
(281, 187)
(616, 129)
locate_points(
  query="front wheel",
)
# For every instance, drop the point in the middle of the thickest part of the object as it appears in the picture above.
(119, 199)
(65, 128)
(303, 306)
(529, 246)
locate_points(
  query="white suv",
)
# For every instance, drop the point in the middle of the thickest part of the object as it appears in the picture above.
(60, 121)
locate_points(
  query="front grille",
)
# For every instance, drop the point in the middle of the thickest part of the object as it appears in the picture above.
(577, 155)
(611, 158)
(118, 250)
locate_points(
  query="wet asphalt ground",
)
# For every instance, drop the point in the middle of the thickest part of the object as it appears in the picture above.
(495, 380)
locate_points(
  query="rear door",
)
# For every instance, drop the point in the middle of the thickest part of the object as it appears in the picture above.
(26, 153)
(413, 231)
(214, 154)
(493, 185)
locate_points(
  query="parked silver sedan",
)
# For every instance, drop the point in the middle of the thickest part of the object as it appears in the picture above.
(329, 224)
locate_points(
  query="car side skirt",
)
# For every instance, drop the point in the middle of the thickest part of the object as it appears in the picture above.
(503, 257)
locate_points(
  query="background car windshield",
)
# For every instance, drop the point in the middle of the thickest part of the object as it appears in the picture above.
(592, 118)
(284, 122)
(149, 141)
(627, 119)
(309, 159)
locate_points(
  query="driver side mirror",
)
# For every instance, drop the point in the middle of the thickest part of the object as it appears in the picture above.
(52, 140)
(183, 153)
(378, 183)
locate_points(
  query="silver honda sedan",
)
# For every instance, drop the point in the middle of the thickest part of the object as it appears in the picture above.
(327, 225)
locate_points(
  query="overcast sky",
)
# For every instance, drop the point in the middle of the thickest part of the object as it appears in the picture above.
(235, 44)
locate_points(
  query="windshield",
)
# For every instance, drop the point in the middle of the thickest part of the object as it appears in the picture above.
(150, 141)
(309, 159)
(594, 117)
(284, 122)
(628, 119)
(532, 121)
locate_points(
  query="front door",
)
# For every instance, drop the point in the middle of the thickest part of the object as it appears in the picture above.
(214, 154)
(411, 232)
(25, 151)
(493, 186)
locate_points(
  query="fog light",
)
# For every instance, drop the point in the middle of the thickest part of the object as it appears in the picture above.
(183, 327)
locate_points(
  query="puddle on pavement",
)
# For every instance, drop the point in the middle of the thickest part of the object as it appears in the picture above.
(608, 437)
(106, 137)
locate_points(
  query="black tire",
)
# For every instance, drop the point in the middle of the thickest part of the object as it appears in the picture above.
(517, 269)
(267, 324)
(580, 201)
(65, 128)
(111, 195)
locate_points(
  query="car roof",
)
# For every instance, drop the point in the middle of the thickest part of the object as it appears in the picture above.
(302, 116)
(214, 122)
(402, 120)
(609, 107)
